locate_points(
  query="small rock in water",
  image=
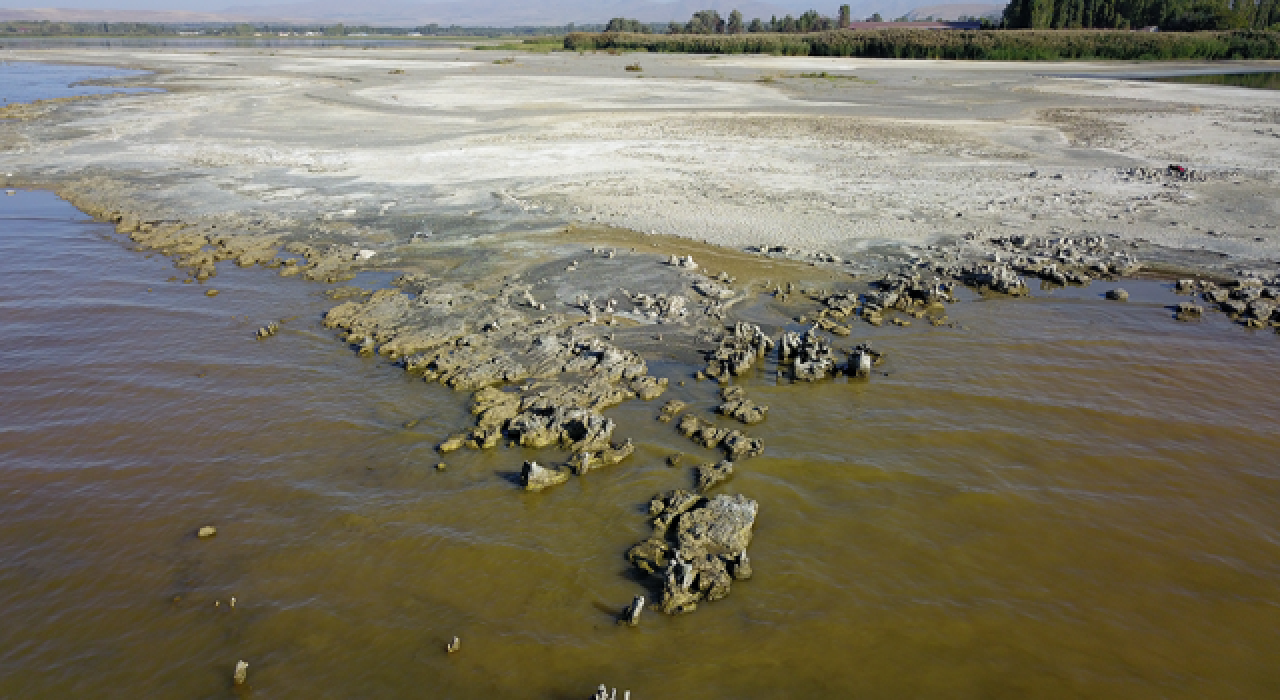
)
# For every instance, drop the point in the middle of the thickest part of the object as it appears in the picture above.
(604, 693)
(211, 293)
(242, 673)
(1118, 295)
(631, 615)
(536, 477)
(207, 531)
(454, 645)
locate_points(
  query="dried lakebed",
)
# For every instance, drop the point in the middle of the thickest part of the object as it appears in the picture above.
(951, 455)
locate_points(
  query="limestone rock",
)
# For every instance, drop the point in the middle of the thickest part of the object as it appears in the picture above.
(699, 558)
(712, 473)
(535, 477)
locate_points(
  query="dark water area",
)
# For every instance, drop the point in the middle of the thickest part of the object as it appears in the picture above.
(1063, 497)
(1261, 81)
(26, 82)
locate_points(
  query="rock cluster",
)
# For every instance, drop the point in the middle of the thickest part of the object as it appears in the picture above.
(735, 443)
(469, 340)
(737, 405)
(809, 354)
(1251, 301)
(740, 347)
(698, 547)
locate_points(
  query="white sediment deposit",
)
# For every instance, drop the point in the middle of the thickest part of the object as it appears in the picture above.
(736, 151)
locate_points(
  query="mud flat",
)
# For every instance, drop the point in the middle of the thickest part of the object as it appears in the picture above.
(580, 251)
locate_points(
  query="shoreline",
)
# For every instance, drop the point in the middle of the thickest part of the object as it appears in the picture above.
(548, 326)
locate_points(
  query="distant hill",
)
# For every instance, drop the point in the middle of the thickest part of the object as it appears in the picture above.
(68, 14)
(497, 13)
(506, 13)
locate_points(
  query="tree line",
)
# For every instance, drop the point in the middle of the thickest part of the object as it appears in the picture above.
(1003, 45)
(1168, 15)
(710, 22)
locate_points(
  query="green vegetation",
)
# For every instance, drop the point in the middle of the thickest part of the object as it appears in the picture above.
(1003, 45)
(545, 44)
(1175, 15)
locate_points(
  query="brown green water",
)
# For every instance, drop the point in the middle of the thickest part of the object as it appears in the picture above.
(1263, 81)
(1066, 498)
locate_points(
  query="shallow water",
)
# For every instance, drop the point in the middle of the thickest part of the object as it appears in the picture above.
(1066, 497)
(26, 82)
(1262, 80)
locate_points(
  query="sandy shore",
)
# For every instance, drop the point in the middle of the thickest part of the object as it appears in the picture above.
(734, 151)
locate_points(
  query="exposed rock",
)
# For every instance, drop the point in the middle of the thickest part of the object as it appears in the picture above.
(740, 348)
(737, 445)
(535, 477)
(810, 355)
(712, 473)
(631, 615)
(207, 531)
(670, 410)
(1187, 311)
(737, 405)
(241, 675)
(1117, 295)
(585, 461)
(700, 557)
(268, 330)
(861, 359)
(649, 388)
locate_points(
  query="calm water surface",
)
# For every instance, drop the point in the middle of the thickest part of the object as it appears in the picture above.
(1264, 81)
(1066, 498)
(26, 81)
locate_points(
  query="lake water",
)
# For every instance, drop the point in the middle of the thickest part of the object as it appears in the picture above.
(1262, 81)
(25, 81)
(1064, 497)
